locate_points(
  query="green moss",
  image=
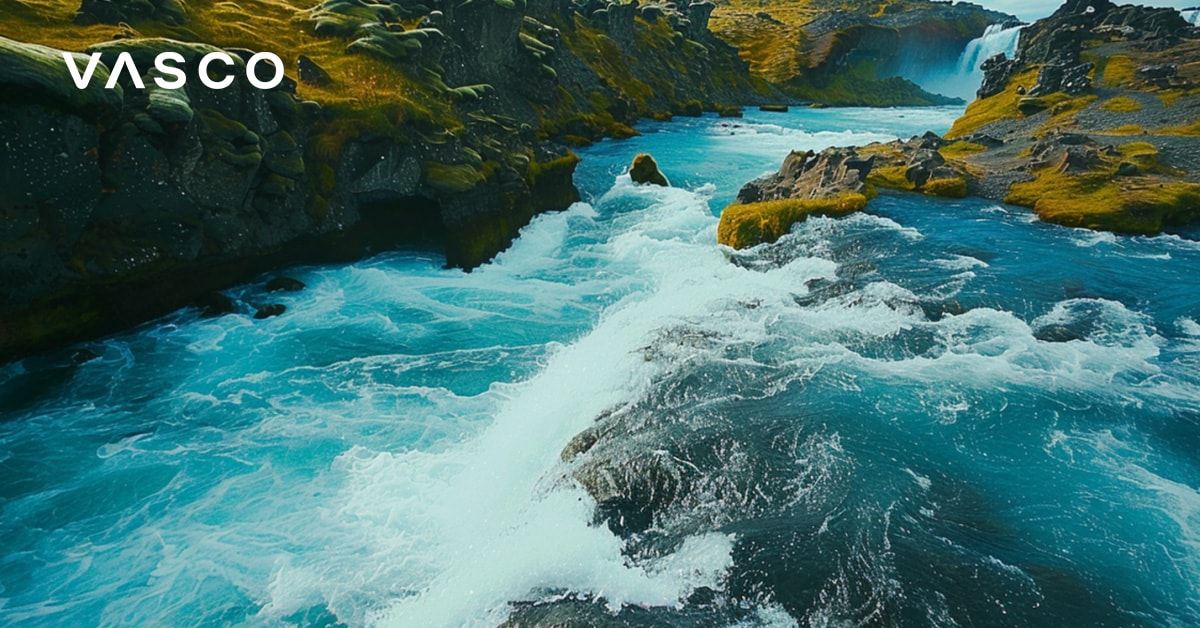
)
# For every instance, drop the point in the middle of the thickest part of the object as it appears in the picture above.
(1117, 71)
(1096, 201)
(452, 178)
(1121, 104)
(890, 177)
(955, 187)
(744, 226)
(1190, 130)
(959, 150)
(1031, 105)
(540, 169)
(1128, 129)
(1002, 106)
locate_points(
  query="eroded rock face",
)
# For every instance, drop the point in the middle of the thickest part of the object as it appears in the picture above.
(1060, 38)
(1072, 80)
(808, 175)
(997, 69)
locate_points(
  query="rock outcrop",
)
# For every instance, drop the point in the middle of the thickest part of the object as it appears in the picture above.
(1093, 125)
(645, 170)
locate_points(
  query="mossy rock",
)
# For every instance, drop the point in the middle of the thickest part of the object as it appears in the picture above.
(37, 73)
(955, 187)
(1098, 200)
(452, 179)
(729, 111)
(746, 225)
(645, 170)
(284, 156)
(170, 12)
(392, 46)
(890, 177)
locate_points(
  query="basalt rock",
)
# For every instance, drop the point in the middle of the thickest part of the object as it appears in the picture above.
(997, 70)
(285, 284)
(1070, 79)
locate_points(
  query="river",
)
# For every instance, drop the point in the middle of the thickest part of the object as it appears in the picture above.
(937, 412)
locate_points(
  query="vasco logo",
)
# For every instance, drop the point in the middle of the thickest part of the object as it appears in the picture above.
(174, 77)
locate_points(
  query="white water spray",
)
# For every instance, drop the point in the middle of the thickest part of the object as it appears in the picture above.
(964, 78)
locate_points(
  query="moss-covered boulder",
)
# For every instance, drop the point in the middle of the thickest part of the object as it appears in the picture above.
(644, 170)
(744, 225)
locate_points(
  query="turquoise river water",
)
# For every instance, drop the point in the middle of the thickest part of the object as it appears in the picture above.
(933, 413)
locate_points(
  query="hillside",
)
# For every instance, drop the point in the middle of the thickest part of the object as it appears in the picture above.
(398, 123)
(1093, 125)
(849, 52)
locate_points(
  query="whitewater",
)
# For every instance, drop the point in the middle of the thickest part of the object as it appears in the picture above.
(937, 412)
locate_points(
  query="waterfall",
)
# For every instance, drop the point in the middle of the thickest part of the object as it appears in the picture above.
(962, 77)
(996, 39)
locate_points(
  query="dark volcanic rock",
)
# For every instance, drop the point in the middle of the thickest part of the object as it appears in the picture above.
(285, 284)
(269, 311)
(309, 72)
(1071, 79)
(214, 304)
(997, 69)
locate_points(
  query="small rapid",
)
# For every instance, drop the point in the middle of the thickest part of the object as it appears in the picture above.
(937, 412)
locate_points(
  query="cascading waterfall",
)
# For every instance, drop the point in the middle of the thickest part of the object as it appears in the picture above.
(996, 39)
(964, 78)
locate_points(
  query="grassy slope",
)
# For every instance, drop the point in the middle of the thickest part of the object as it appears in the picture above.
(1158, 196)
(275, 26)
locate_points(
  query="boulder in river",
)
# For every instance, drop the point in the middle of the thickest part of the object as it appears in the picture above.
(645, 170)
(268, 311)
(285, 284)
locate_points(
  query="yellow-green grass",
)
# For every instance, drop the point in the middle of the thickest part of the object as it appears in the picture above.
(1128, 129)
(960, 150)
(890, 177)
(1117, 71)
(954, 187)
(1002, 106)
(1121, 104)
(274, 25)
(1097, 200)
(1189, 130)
(746, 225)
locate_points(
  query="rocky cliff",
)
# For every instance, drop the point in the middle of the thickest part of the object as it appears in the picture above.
(1093, 124)
(852, 53)
(448, 122)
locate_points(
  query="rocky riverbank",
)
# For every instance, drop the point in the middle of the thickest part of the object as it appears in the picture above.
(449, 124)
(1093, 124)
(441, 122)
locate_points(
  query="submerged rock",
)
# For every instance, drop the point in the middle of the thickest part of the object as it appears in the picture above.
(645, 170)
(285, 284)
(268, 311)
(214, 304)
